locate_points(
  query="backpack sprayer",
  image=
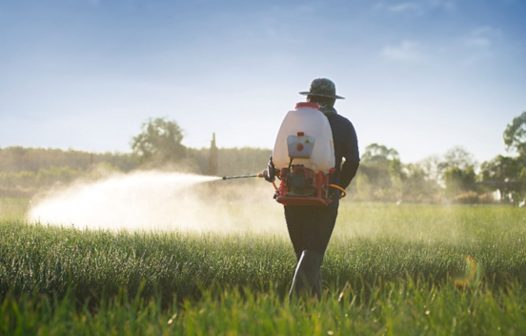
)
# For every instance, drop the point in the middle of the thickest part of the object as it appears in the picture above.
(299, 186)
(303, 156)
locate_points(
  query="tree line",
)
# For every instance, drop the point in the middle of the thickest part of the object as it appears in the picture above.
(452, 177)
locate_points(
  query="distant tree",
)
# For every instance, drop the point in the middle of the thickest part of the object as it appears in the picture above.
(505, 174)
(460, 180)
(213, 157)
(418, 185)
(431, 168)
(380, 173)
(457, 171)
(37, 159)
(376, 155)
(457, 157)
(159, 141)
(379, 153)
(515, 135)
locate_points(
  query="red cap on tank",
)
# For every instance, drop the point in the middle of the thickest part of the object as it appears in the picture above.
(308, 104)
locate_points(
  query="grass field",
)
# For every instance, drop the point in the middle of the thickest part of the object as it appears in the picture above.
(395, 270)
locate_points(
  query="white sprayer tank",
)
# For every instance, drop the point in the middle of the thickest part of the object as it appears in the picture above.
(305, 122)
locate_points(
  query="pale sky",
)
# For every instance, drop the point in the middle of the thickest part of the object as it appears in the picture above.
(419, 76)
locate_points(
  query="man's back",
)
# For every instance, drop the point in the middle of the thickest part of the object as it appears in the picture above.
(345, 146)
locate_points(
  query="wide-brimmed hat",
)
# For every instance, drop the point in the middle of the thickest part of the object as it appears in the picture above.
(322, 87)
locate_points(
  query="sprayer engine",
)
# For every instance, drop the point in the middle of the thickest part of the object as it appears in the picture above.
(303, 186)
(300, 181)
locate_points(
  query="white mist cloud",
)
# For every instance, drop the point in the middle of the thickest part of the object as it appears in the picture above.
(160, 201)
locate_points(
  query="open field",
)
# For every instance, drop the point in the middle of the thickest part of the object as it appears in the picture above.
(408, 269)
(13, 208)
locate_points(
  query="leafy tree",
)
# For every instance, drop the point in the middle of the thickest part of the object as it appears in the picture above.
(457, 172)
(508, 174)
(159, 141)
(515, 135)
(430, 166)
(379, 153)
(505, 174)
(418, 185)
(460, 180)
(457, 157)
(381, 171)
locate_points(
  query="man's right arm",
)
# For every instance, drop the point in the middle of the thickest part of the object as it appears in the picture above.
(352, 157)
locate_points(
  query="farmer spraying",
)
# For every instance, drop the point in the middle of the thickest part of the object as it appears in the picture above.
(308, 160)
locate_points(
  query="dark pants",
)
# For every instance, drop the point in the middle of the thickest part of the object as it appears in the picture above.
(310, 228)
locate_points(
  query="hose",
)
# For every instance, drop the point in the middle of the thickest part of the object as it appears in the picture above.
(337, 187)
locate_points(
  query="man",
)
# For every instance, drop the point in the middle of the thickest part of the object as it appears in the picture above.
(310, 227)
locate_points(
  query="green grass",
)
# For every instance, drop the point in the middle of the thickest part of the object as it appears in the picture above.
(409, 269)
(13, 208)
(395, 308)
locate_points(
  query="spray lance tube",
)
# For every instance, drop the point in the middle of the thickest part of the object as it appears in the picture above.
(248, 176)
(242, 176)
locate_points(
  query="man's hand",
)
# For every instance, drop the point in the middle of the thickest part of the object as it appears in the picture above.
(269, 174)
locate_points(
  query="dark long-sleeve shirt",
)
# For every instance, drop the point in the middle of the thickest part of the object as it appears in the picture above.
(345, 146)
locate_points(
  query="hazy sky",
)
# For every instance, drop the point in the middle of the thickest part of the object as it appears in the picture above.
(419, 76)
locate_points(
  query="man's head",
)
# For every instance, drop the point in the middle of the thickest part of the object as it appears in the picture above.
(322, 91)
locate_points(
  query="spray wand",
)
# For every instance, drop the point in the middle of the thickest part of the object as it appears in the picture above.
(242, 176)
(248, 176)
